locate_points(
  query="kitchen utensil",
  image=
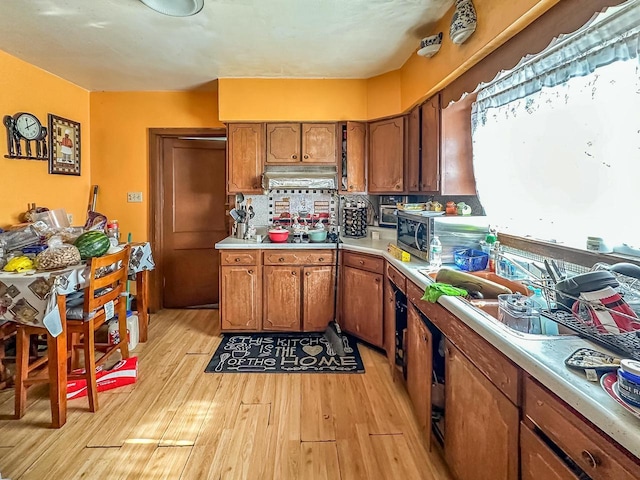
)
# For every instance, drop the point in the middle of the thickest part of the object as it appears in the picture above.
(223, 358)
(251, 212)
(278, 235)
(628, 269)
(550, 271)
(234, 214)
(241, 230)
(239, 199)
(557, 270)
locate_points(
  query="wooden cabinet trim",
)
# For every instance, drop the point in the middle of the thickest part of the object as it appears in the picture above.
(413, 155)
(299, 257)
(494, 365)
(397, 278)
(571, 432)
(239, 257)
(364, 262)
(538, 461)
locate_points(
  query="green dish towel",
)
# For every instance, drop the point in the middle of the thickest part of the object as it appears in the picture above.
(435, 290)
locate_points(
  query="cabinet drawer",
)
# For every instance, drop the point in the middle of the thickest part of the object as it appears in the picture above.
(364, 262)
(397, 278)
(592, 451)
(299, 257)
(239, 257)
(538, 461)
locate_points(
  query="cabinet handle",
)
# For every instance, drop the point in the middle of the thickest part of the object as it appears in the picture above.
(308, 274)
(237, 259)
(398, 187)
(361, 262)
(321, 259)
(377, 280)
(294, 156)
(250, 272)
(293, 273)
(591, 460)
(306, 156)
(351, 187)
(281, 259)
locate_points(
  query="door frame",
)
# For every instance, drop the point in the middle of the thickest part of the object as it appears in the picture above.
(156, 194)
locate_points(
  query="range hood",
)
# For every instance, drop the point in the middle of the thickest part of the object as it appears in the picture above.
(313, 177)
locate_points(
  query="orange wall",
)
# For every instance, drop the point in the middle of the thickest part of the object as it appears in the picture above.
(25, 88)
(384, 96)
(119, 139)
(287, 99)
(498, 21)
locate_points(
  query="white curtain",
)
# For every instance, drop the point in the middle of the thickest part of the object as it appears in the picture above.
(556, 150)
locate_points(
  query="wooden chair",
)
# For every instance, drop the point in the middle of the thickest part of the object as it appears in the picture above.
(107, 283)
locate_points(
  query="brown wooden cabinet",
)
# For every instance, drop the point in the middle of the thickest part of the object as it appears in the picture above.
(412, 167)
(430, 145)
(245, 157)
(282, 298)
(362, 305)
(481, 424)
(354, 173)
(386, 155)
(419, 360)
(240, 297)
(317, 297)
(389, 313)
(294, 143)
(538, 461)
(456, 148)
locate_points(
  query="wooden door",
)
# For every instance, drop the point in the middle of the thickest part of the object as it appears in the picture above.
(362, 305)
(386, 156)
(283, 143)
(319, 143)
(241, 305)
(389, 313)
(356, 157)
(457, 151)
(245, 157)
(430, 159)
(419, 370)
(539, 461)
(413, 151)
(317, 298)
(194, 220)
(281, 289)
(481, 426)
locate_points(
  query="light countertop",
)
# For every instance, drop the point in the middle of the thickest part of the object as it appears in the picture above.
(540, 356)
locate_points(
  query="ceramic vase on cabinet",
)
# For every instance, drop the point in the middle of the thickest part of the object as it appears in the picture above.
(464, 21)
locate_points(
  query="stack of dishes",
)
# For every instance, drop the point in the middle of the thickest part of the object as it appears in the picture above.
(624, 386)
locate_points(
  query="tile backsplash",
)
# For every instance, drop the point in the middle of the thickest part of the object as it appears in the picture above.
(266, 207)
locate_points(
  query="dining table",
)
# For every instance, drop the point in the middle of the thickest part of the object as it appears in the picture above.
(37, 298)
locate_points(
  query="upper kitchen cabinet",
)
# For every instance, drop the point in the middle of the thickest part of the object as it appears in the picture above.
(245, 157)
(292, 143)
(457, 153)
(354, 157)
(423, 147)
(386, 155)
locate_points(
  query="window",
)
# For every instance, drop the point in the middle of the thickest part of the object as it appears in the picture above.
(556, 140)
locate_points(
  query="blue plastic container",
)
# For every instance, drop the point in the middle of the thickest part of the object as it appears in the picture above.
(629, 387)
(470, 260)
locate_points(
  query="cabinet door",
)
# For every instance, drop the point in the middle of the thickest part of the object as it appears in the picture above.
(283, 143)
(457, 150)
(481, 424)
(389, 308)
(413, 151)
(386, 156)
(419, 370)
(245, 157)
(281, 292)
(539, 461)
(362, 305)
(318, 298)
(240, 298)
(356, 157)
(319, 143)
(430, 158)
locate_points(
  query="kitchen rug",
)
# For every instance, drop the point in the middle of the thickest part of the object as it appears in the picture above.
(283, 353)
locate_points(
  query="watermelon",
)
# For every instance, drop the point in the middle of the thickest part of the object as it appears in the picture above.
(92, 244)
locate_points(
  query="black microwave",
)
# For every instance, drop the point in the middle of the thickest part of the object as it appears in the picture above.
(414, 233)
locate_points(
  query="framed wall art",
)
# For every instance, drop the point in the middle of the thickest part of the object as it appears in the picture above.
(64, 146)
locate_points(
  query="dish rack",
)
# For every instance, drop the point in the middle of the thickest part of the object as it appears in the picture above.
(624, 343)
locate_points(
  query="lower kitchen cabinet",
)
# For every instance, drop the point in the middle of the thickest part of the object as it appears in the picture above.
(240, 298)
(538, 461)
(389, 314)
(481, 426)
(362, 304)
(419, 358)
(318, 298)
(282, 298)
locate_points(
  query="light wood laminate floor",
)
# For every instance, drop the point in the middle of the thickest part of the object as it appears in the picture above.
(177, 422)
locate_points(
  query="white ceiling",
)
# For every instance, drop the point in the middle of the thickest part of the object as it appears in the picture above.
(123, 45)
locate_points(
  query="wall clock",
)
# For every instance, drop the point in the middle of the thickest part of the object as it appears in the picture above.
(25, 128)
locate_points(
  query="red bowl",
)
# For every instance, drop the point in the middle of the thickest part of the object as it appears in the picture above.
(278, 235)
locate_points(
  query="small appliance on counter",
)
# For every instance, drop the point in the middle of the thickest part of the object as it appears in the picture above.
(387, 215)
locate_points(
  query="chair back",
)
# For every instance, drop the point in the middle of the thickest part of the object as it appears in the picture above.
(107, 280)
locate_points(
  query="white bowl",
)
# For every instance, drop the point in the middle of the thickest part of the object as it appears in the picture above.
(429, 51)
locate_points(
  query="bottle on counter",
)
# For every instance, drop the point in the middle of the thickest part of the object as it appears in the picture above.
(435, 252)
(490, 247)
